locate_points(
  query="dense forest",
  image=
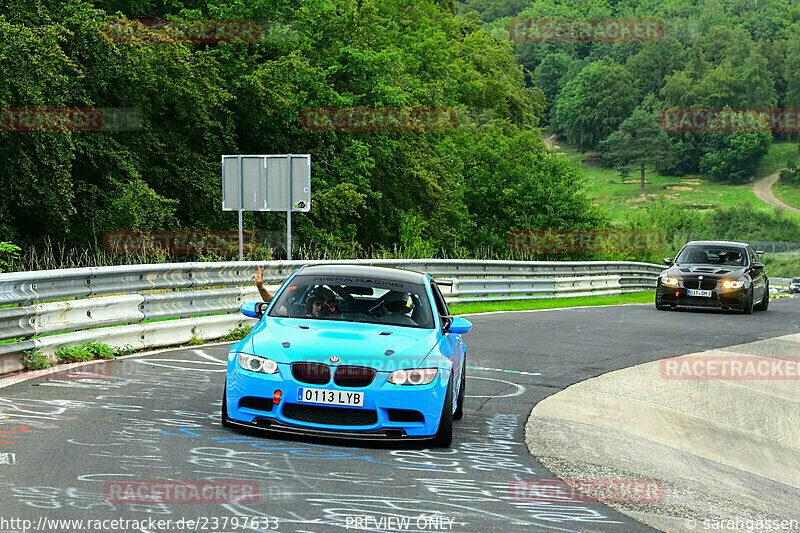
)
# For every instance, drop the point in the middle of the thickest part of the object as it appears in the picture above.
(460, 188)
(714, 54)
(457, 191)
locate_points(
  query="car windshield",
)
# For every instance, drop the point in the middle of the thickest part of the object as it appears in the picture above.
(355, 299)
(712, 255)
(795, 280)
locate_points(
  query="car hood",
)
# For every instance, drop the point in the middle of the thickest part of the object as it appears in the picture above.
(283, 340)
(709, 271)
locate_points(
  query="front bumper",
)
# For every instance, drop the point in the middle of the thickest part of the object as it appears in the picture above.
(389, 412)
(720, 298)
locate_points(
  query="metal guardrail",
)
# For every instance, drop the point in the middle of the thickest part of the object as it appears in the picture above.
(779, 249)
(148, 306)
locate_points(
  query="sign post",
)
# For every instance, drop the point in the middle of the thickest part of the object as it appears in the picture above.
(266, 183)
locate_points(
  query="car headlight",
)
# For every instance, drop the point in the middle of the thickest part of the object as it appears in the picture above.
(730, 284)
(672, 282)
(413, 376)
(258, 364)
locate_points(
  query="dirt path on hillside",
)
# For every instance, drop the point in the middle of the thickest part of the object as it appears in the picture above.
(763, 189)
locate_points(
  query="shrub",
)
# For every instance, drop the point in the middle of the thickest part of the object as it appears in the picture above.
(34, 360)
(236, 334)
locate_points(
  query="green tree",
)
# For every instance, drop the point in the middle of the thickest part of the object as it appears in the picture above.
(792, 68)
(594, 104)
(654, 62)
(638, 143)
(549, 75)
(733, 156)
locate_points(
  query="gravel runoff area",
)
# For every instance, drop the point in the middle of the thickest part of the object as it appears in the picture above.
(725, 451)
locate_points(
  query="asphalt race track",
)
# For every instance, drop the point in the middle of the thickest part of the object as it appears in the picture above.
(156, 418)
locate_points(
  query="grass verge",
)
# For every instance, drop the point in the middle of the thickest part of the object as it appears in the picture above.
(552, 303)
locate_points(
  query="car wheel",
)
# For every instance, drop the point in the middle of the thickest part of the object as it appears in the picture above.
(444, 435)
(748, 306)
(764, 304)
(459, 414)
(659, 305)
(223, 417)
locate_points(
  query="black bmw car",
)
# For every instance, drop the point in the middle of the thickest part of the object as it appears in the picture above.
(714, 274)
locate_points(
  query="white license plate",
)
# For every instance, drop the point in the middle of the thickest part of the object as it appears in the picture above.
(697, 292)
(330, 397)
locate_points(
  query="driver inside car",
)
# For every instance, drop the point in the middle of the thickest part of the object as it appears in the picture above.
(398, 305)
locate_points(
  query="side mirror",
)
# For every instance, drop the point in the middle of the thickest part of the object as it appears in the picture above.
(758, 266)
(253, 309)
(447, 321)
(667, 260)
(459, 326)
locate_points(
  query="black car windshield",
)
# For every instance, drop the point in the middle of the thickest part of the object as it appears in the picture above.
(712, 255)
(355, 299)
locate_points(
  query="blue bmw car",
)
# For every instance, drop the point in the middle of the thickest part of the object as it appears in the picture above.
(350, 352)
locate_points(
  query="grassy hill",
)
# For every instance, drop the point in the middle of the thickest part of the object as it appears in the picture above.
(617, 198)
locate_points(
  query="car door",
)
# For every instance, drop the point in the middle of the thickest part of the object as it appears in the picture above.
(758, 276)
(452, 345)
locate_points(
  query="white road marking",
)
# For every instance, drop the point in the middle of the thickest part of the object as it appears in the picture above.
(520, 389)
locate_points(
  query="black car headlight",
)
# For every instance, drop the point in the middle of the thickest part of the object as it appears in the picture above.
(670, 282)
(732, 284)
(254, 363)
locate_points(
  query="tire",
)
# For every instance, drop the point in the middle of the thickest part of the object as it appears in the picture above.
(748, 306)
(223, 416)
(459, 413)
(660, 306)
(444, 435)
(764, 304)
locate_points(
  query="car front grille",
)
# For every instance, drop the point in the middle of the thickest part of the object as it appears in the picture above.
(311, 373)
(354, 376)
(699, 301)
(331, 416)
(706, 284)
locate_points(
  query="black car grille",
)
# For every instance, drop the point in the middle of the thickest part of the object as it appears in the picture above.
(312, 373)
(259, 404)
(354, 376)
(699, 301)
(706, 284)
(332, 416)
(404, 415)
